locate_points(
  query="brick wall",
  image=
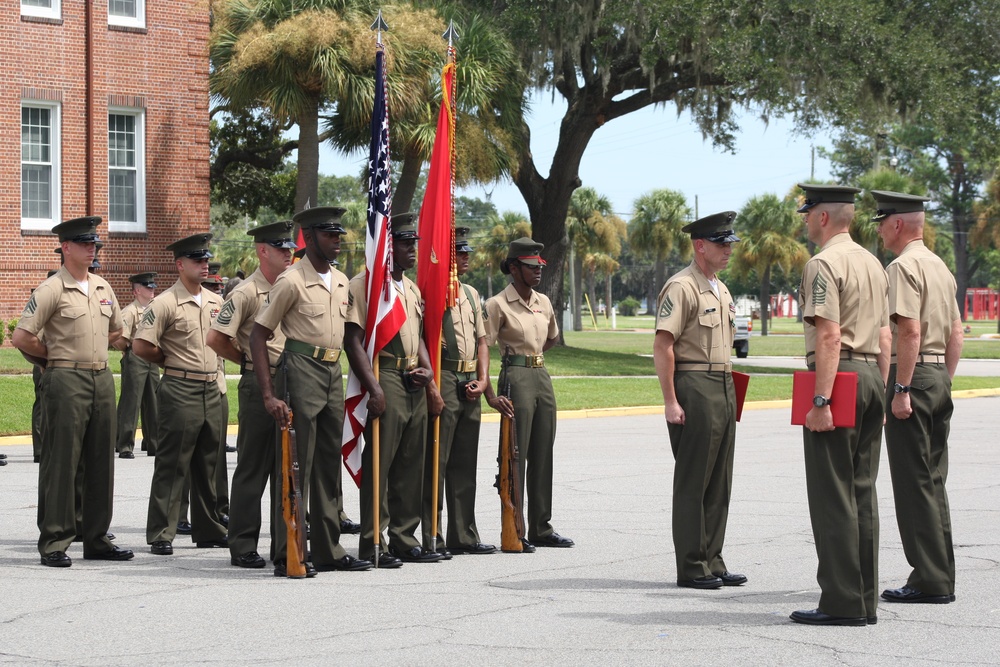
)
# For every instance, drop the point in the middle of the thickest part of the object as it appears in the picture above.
(163, 69)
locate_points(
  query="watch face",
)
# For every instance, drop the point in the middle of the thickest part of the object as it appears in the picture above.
(820, 401)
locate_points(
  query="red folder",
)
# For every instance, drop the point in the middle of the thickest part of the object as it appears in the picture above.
(740, 382)
(842, 402)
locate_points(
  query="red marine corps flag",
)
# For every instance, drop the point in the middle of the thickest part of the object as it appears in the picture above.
(386, 313)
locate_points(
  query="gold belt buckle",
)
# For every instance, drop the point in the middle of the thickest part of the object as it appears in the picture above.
(410, 362)
(536, 360)
(468, 366)
(331, 355)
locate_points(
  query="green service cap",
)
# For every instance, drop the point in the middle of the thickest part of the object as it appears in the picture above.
(78, 230)
(276, 234)
(462, 240)
(321, 218)
(147, 279)
(717, 228)
(213, 279)
(403, 226)
(526, 251)
(896, 202)
(826, 194)
(192, 247)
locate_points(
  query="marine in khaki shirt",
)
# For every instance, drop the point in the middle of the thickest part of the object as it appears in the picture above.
(695, 319)
(926, 345)
(80, 317)
(139, 378)
(842, 298)
(172, 335)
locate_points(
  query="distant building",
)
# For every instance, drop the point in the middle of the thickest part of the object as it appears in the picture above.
(110, 101)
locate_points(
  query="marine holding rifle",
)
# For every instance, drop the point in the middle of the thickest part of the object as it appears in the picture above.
(309, 302)
(695, 320)
(522, 321)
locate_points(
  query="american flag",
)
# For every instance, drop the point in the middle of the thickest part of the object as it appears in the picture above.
(385, 313)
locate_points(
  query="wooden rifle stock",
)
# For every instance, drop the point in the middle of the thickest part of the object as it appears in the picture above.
(509, 482)
(291, 504)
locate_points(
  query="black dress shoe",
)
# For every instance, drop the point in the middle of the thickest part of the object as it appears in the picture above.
(527, 547)
(707, 582)
(250, 559)
(730, 579)
(213, 544)
(183, 527)
(872, 620)
(114, 553)
(111, 537)
(387, 561)
(230, 449)
(908, 594)
(816, 617)
(280, 571)
(37, 459)
(348, 527)
(445, 553)
(416, 555)
(3, 461)
(161, 548)
(478, 548)
(57, 559)
(3, 456)
(553, 540)
(224, 520)
(346, 564)
(126, 455)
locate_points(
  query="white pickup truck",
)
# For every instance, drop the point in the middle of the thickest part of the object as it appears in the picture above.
(741, 337)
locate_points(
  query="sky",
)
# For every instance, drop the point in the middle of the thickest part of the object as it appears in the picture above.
(650, 149)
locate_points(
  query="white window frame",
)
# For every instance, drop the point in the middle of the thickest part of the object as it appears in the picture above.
(55, 186)
(139, 224)
(137, 21)
(53, 12)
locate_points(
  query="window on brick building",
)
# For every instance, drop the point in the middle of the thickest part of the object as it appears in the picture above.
(39, 165)
(127, 13)
(50, 9)
(126, 178)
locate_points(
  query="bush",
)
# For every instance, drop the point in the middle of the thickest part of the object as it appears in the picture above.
(3, 331)
(12, 325)
(628, 306)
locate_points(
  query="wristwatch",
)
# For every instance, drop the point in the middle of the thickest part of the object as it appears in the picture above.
(901, 388)
(821, 401)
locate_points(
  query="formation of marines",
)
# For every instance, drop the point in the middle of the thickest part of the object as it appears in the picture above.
(897, 331)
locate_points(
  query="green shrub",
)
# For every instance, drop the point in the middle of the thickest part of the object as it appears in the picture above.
(628, 306)
(3, 331)
(12, 325)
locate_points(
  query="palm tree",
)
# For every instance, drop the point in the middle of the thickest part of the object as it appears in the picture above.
(655, 232)
(603, 263)
(591, 227)
(767, 226)
(293, 57)
(352, 244)
(492, 249)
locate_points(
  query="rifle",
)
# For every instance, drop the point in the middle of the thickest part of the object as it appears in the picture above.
(291, 499)
(508, 481)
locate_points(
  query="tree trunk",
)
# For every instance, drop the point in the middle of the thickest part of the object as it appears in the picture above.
(489, 281)
(307, 181)
(577, 295)
(765, 300)
(592, 292)
(607, 296)
(406, 186)
(659, 277)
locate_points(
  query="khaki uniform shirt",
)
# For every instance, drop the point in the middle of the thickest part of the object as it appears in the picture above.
(409, 334)
(523, 327)
(236, 319)
(176, 324)
(76, 324)
(305, 309)
(844, 283)
(467, 318)
(701, 323)
(131, 316)
(922, 288)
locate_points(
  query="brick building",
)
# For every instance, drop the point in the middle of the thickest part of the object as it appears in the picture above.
(109, 99)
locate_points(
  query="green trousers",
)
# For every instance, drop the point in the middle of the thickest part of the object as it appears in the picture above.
(188, 444)
(316, 390)
(402, 442)
(222, 469)
(139, 382)
(78, 409)
(841, 469)
(458, 445)
(918, 464)
(535, 427)
(37, 419)
(256, 446)
(703, 449)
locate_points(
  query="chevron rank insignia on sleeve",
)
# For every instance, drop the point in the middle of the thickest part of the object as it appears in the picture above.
(225, 316)
(667, 307)
(148, 318)
(29, 309)
(819, 290)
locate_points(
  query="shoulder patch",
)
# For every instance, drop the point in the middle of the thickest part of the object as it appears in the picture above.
(225, 316)
(819, 290)
(666, 308)
(148, 318)
(29, 309)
